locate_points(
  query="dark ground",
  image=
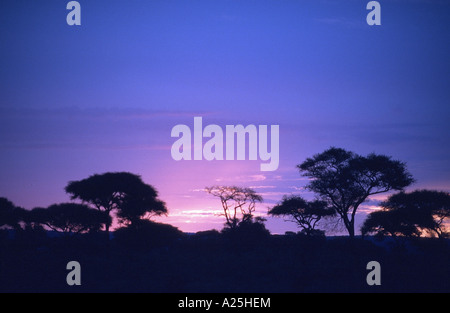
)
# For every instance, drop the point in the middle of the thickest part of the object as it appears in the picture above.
(212, 263)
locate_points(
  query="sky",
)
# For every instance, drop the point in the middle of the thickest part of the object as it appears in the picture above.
(105, 95)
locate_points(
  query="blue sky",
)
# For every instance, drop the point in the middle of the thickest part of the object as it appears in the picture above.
(104, 96)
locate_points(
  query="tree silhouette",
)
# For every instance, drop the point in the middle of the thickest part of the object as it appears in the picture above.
(236, 201)
(305, 214)
(122, 191)
(70, 218)
(142, 202)
(389, 223)
(409, 214)
(345, 180)
(247, 234)
(10, 215)
(146, 234)
(6, 213)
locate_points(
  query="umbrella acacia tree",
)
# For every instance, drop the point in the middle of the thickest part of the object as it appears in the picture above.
(410, 214)
(345, 179)
(238, 203)
(8, 214)
(121, 191)
(69, 218)
(306, 214)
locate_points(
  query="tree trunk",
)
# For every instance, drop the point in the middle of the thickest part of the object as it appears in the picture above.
(351, 230)
(107, 224)
(349, 225)
(107, 231)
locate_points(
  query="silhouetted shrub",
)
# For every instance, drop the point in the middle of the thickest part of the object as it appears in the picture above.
(147, 234)
(248, 233)
(206, 235)
(315, 233)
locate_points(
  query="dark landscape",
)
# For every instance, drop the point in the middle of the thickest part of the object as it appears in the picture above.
(210, 262)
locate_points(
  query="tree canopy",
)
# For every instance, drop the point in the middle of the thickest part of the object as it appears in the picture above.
(306, 214)
(141, 202)
(121, 191)
(238, 203)
(10, 214)
(345, 179)
(411, 214)
(69, 218)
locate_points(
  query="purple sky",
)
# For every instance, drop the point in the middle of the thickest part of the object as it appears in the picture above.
(104, 96)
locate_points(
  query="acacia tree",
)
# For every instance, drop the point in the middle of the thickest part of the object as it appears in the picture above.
(409, 214)
(122, 191)
(306, 214)
(238, 203)
(69, 218)
(345, 179)
(389, 223)
(7, 217)
(10, 215)
(141, 203)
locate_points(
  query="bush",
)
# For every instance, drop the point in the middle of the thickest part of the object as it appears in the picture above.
(314, 233)
(147, 234)
(247, 233)
(207, 235)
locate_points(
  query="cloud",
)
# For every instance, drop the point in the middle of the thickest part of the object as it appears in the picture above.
(88, 128)
(366, 209)
(199, 190)
(259, 177)
(197, 213)
(81, 145)
(263, 187)
(242, 178)
(272, 193)
(95, 113)
(297, 188)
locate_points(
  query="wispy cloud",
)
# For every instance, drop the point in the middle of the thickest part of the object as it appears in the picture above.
(198, 213)
(89, 128)
(95, 113)
(242, 178)
(366, 209)
(263, 187)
